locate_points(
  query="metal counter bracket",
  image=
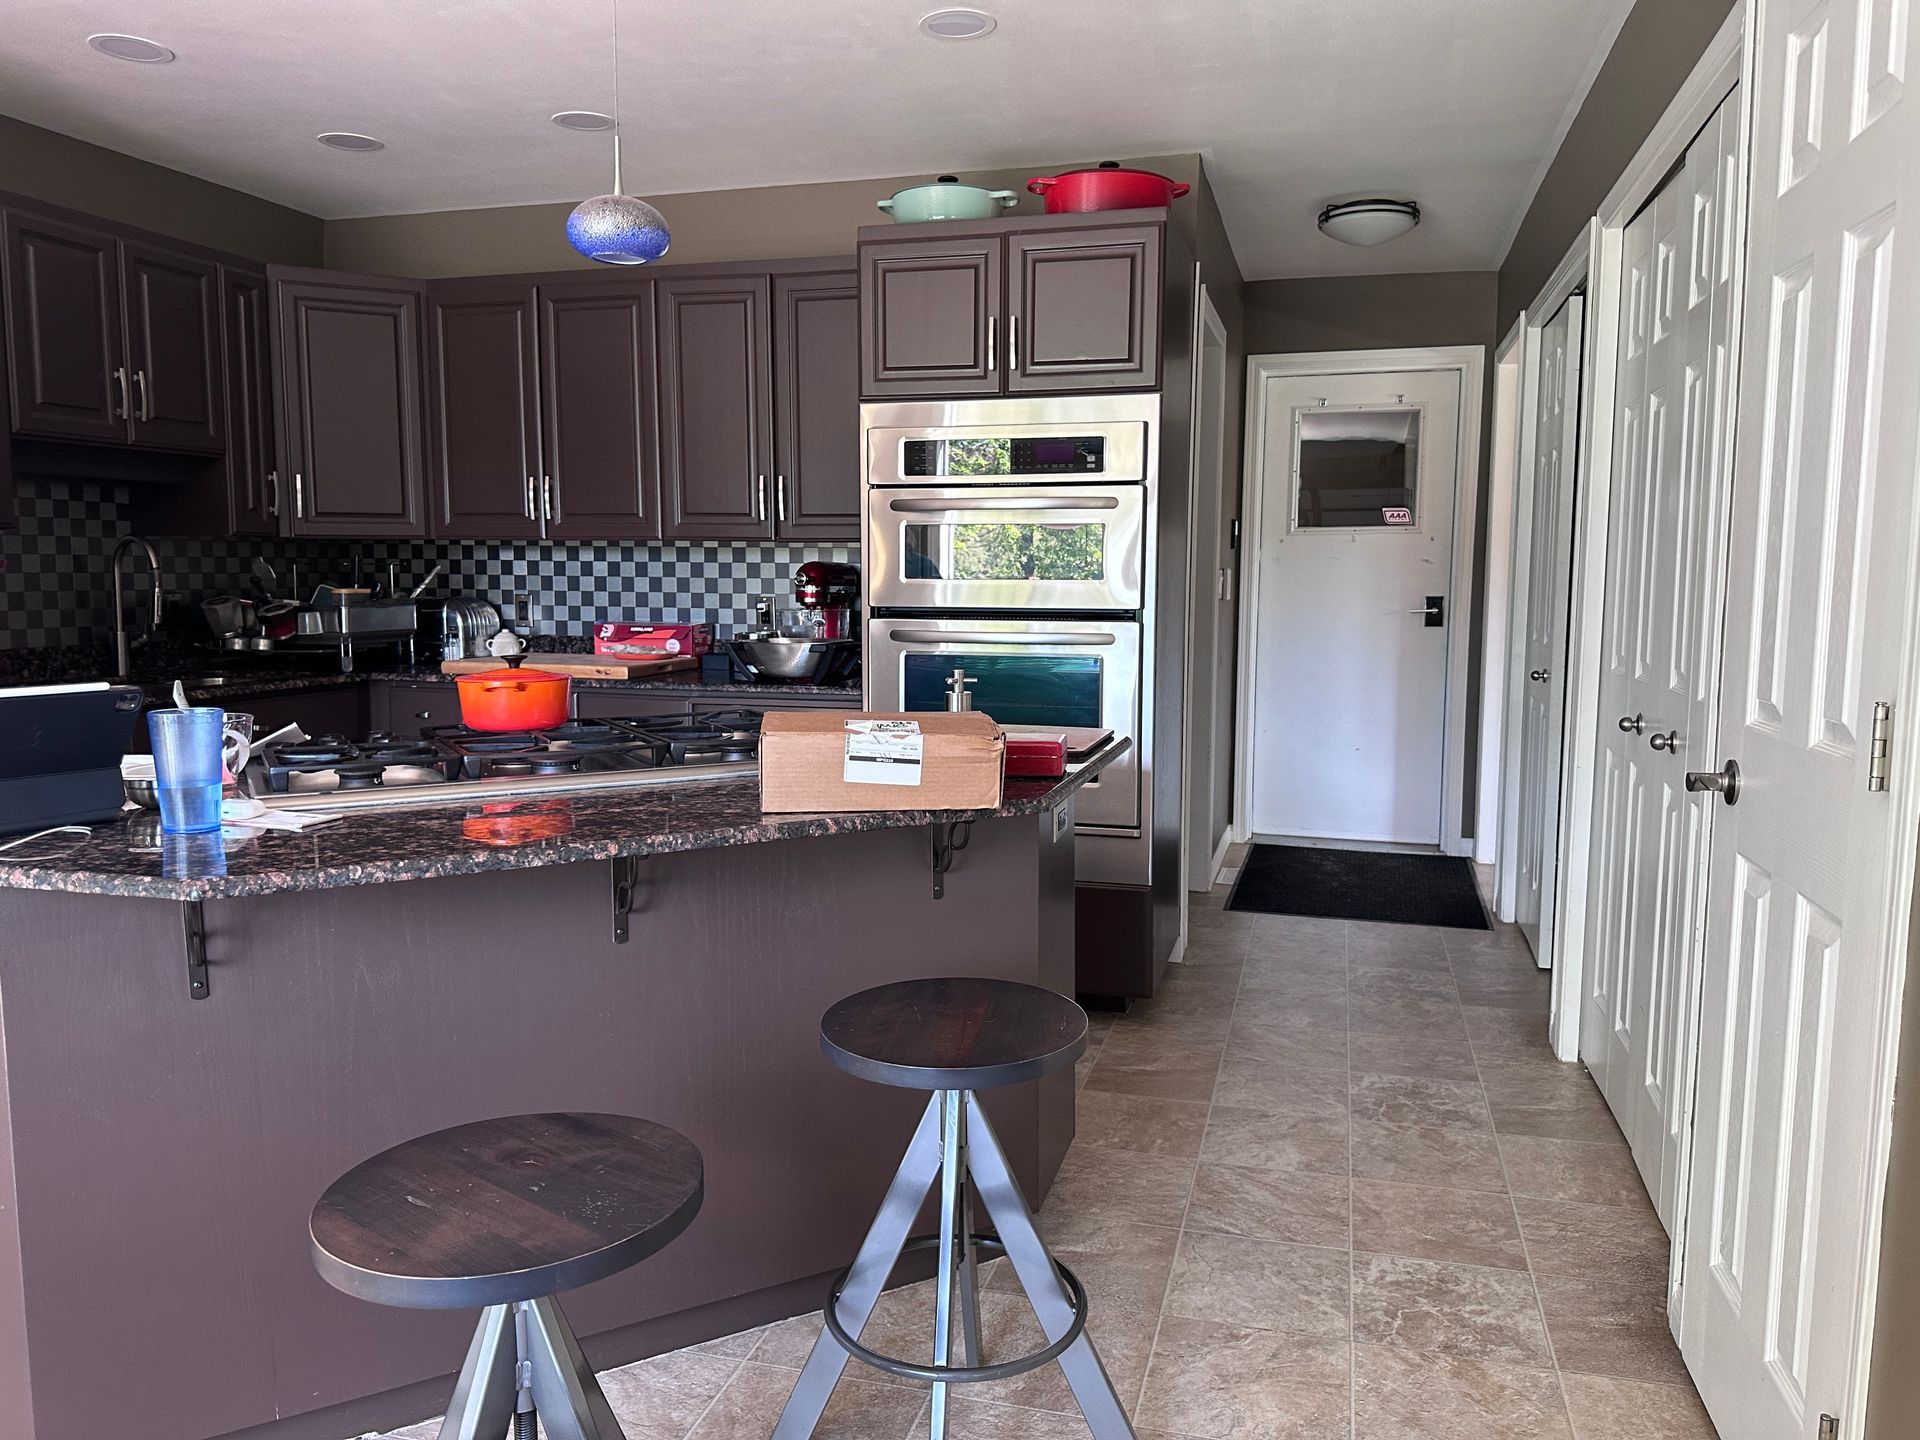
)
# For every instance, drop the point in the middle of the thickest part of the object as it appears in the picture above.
(193, 922)
(949, 836)
(626, 878)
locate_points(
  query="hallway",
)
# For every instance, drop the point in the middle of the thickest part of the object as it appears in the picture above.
(1331, 1183)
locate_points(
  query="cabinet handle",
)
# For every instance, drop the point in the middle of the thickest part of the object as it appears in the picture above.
(299, 497)
(273, 493)
(140, 382)
(993, 335)
(1013, 344)
(526, 502)
(780, 497)
(423, 714)
(760, 497)
(126, 401)
(549, 498)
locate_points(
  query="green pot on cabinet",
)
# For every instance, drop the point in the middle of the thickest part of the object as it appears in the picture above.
(947, 199)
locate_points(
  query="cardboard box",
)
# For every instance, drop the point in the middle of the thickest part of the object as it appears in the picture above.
(845, 760)
(618, 638)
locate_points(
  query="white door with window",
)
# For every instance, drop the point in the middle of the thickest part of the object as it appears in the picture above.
(1547, 514)
(1347, 719)
(1811, 868)
(1660, 640)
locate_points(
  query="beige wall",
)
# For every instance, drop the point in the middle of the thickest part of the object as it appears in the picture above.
(64, 171)
(778, 222)
(1657, 49)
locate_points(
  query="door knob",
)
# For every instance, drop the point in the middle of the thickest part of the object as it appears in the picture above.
(1538, 674)
(1435, 610)
(1724, 782)
(1633, 724)
(1669, 742)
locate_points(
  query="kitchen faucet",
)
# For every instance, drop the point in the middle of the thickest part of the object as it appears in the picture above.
(122, 649)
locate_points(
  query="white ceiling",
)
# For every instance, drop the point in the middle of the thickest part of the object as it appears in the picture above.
(1456, 103)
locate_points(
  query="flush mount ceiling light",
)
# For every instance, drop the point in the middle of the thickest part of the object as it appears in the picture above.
(618, 229)
(347, 140)
(1369, 222)
(131, 47)
(583, 120)
(958, 24)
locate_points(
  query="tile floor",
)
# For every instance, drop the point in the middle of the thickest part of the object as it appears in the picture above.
(1331, 1183)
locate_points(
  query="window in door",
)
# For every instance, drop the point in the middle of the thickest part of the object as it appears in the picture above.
(1356, 469)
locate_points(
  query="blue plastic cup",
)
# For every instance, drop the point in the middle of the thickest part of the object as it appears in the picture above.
(187, 767)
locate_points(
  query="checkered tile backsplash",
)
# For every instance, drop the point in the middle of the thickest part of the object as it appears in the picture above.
(55, 588)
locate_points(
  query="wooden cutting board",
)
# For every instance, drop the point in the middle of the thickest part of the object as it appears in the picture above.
(581, 667)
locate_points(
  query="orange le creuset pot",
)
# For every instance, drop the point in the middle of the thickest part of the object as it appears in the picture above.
(513, 699)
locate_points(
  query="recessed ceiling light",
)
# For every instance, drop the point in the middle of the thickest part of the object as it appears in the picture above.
(131, 47)
(958, 24)
(1369, 222)
(347, 140)
(583, 120)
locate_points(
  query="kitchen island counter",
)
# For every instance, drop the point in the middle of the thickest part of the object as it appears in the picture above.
(431, 841)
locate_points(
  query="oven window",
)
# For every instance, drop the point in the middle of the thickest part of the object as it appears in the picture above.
(1357, 469)
(1014, 689)
(1004, 551)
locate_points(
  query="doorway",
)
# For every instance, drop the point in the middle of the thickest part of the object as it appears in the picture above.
(1354, 648)
(1209, 663)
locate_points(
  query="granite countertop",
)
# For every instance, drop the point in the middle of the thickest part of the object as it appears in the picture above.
(371, 847)
(241, 686)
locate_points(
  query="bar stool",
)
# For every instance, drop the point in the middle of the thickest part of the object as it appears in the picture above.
(505, 1214)
(955, 1037)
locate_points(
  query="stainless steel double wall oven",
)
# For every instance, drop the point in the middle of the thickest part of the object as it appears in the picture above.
(1012, 539)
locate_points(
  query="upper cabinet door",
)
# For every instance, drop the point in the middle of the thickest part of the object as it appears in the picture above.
(483, 395)
(930, 318)
(173, 348)
(252, 482)
(716, 407)
(816, 406)
(1084, 309)
(68, 381)
(594, 362)
(352, 432)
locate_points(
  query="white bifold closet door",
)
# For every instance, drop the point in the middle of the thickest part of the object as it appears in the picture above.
(1546, 512)
(1661, 653)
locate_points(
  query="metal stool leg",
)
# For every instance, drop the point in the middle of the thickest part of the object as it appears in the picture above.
(482, 1404)
(1007, 1208)
(569, 1399)
(969, 1261)
(953, 1184)
(878, 1253)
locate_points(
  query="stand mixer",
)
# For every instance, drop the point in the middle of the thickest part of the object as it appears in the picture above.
(813, 640)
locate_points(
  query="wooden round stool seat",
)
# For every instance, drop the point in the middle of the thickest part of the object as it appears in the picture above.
(954, 1034)
(505, 1210)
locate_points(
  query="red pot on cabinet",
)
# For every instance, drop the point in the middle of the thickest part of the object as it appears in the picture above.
(1109, 187)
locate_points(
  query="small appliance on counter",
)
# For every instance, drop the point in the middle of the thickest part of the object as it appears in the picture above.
(814, 640)
(457, 628)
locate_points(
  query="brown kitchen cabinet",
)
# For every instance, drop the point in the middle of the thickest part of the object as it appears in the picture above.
(331, 710)
(615, 704)
(111, 339)
(1040, 309)
(715, 403)
(407, 710)
(597, 378)
(352, 435)
(1083, 310)
(253, 484)
(929, 317)
(483, 398)
(816, 406)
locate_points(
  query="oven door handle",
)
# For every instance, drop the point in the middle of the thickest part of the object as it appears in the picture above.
(998, 637)
(1021, 502)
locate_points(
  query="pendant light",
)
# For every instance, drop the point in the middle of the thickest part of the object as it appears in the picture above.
(618, 229)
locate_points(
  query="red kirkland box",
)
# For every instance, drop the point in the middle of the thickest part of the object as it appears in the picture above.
(614, 638)
(1039, 757)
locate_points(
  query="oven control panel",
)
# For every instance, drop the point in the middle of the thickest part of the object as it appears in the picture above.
(982, 456)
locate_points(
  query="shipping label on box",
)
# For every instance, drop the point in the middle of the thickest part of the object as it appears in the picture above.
(883, 752)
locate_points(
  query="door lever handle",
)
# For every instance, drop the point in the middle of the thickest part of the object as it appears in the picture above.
(1669, 742)
(1633, 724)
(1724, 782)
(1538, 675)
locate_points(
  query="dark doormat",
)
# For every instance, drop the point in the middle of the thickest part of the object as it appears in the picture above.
(1360, 885)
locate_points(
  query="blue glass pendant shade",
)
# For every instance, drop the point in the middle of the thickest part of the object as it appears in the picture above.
(618, 230)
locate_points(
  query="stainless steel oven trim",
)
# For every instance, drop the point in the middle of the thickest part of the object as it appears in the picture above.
(1120, 510)
(1127, 421)
(1126, 455)
(1116, 805)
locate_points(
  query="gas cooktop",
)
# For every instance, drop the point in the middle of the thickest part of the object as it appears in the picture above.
(452, 762)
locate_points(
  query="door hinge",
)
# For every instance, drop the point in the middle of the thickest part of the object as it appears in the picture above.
(1829, 1428)
(1878, 755)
